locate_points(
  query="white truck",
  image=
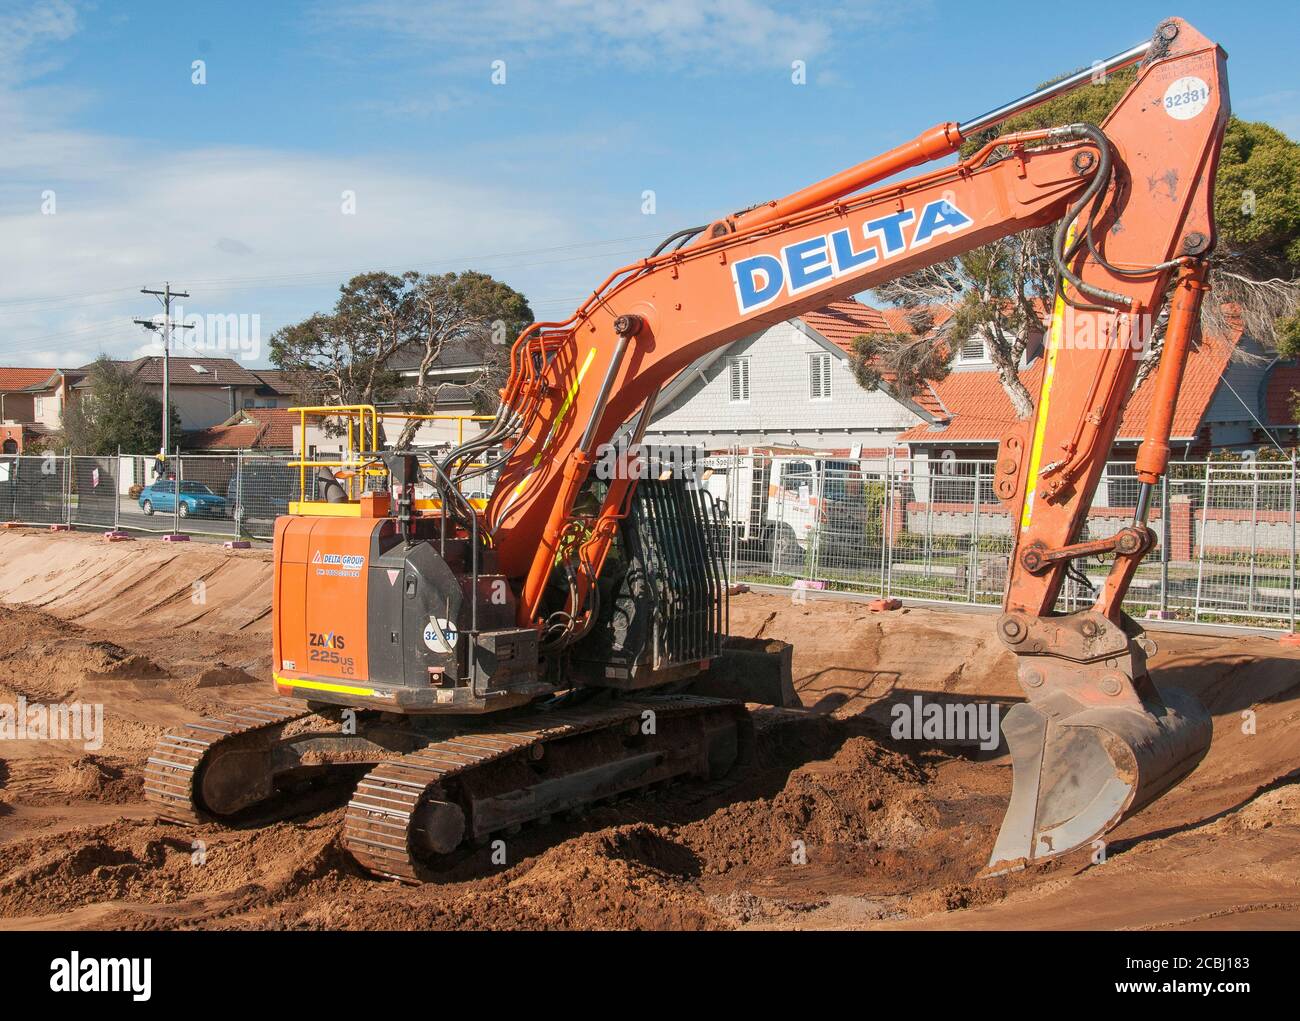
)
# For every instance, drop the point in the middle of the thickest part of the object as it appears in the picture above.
(780, 502)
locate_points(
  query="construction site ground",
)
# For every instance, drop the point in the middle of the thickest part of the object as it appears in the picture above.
(837, 825)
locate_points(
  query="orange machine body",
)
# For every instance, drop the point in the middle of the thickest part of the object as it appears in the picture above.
(321, 599)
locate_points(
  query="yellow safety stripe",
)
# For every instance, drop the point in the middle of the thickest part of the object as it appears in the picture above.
(1044, 401)
(342, 689)
(559, 418)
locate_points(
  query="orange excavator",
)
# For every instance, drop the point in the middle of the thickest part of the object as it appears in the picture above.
(482, 665)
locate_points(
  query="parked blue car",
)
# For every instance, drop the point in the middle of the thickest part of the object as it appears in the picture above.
(196, 499)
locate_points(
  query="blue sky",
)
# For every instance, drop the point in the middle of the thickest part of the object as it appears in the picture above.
(234, 189)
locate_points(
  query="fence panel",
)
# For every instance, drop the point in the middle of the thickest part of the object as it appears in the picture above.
(916, 528)
(94, 496)
(261, 489)
(1244, 529)
(204, 505)
(33, 489)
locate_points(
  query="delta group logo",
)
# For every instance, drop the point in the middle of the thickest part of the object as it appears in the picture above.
(760, 279)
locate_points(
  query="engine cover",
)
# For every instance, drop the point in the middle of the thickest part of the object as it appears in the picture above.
(362, 617)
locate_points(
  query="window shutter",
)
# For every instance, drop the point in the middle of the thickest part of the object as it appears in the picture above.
(739, 379)
(819, 377)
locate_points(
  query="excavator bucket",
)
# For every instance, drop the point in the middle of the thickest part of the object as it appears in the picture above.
(1078, 771)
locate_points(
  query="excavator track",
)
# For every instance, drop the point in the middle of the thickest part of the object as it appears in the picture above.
(381, 827)
(175, 766)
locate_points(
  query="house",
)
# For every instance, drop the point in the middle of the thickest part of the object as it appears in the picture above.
(204, 391)
(51, 394)
(280, 388)
(1220, 405)
(1282, 402)
(18, 427)
(260, 430)
(792, 385)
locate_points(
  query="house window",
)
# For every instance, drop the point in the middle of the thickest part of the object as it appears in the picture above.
(972, 350)
(739, 372)
(40, 406)
(819, 377)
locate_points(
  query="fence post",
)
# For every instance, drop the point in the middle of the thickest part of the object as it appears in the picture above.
(1293, 544)
(179, 474)
(1164, 544)
(1200, 555)
(891, 498)
(237, 512)
(972, 587)
(67, 486)
(815, 539)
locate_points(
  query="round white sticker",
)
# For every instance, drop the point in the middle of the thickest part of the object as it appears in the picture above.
(1186, 97)
(435, 641)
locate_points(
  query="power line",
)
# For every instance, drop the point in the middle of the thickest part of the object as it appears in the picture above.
(165, 296)
(20, 305)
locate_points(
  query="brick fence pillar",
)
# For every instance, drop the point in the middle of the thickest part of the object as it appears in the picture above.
(1179, 528)
(896, 524)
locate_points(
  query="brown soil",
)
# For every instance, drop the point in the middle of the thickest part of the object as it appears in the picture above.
(835, 825)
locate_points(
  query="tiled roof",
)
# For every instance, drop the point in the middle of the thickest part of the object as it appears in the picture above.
(282, 381)
(19, 378)
(981, 410)
(278, 424)
(250, 429)
(224, 437)
(50, 379)
(841, 322)
(456, 354)
(186, 371)
(1282, 393)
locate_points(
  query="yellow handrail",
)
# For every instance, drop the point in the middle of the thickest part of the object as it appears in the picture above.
(362, 433)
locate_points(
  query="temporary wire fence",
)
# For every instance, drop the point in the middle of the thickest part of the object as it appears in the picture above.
(915, 528)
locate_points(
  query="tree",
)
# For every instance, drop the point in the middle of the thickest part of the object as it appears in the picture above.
(343, 357)
(1003, 290)
(114, 411)
(470, 312)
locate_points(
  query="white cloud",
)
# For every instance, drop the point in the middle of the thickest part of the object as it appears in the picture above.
(246, 230)
(640, 33)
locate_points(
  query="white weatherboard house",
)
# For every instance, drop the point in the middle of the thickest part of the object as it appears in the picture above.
(792, 385)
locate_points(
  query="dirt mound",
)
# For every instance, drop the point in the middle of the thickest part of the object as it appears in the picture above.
(834, 825)
(61, 781)
(223, 675)
(864, 798)
(147, 864)
(79, 577)
(629, 877)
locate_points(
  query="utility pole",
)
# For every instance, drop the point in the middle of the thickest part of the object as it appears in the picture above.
(165, 296)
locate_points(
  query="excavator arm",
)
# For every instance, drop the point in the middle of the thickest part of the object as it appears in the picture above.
(1095, 739)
